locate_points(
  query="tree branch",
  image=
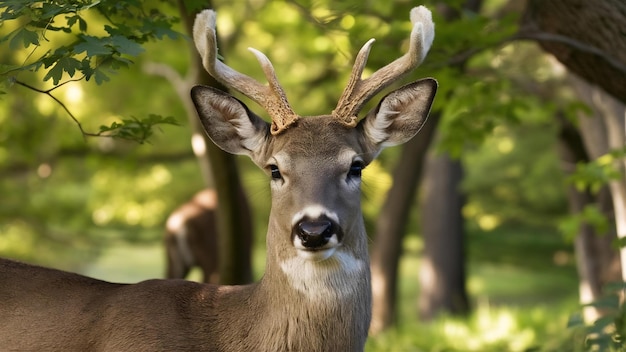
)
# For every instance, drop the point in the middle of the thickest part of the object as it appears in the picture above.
(571, 42)
(58, 101)
(181, 85)
(534, 35)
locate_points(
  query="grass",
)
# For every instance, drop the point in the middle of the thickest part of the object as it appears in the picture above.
(523, 287)
(128, 264)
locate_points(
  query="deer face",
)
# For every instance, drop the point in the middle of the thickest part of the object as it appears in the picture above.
(314, 162)
(315, 169)
(315, 165)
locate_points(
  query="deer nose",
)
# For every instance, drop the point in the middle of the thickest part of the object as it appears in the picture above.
(314, 234)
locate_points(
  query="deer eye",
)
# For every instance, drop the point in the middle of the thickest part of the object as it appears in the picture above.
(275, 172)
(355, 169)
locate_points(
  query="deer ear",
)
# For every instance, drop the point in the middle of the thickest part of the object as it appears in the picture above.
(399, 115)
(228, 122)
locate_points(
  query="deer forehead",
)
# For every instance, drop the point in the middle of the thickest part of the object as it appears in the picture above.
(316, 139)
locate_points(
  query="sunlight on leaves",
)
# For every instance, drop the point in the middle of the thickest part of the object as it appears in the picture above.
(591, 215)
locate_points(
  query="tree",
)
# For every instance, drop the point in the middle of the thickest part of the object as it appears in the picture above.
(392, 222)
(391, 226)
(233, 213)
(587, 37)
(604, 140)
(597, 261)
(442, 270)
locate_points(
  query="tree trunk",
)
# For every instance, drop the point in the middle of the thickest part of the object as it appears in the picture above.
(596, 259)
(391, 223)
(391, 226)
(602, 132)
(234, 218)
(442, 271)
(588, 37)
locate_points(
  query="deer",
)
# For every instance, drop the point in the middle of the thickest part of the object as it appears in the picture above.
(190, 238)
(315, 293)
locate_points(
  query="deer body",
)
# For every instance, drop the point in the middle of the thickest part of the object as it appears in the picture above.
(315, 294)
(191, 238)
(161, 315)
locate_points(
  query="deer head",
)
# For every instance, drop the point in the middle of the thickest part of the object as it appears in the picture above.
(314, 162)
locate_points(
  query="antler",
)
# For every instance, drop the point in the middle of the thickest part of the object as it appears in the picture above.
(272, 98)
(359, 91)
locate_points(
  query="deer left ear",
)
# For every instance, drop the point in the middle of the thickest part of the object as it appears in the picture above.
(228, 122)
(399, 115)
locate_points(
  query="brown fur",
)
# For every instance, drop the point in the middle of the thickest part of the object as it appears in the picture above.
(191, 238)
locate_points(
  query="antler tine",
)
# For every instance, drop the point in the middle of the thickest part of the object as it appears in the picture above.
(359, 91)
(276, 104)
(273, 98)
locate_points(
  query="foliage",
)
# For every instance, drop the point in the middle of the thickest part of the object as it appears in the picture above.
(607, 333)
(516, 166)
(129, 26)
(598, 172)
(590, 215)
(74, 50)
(136, 129)
(592, 176)
(487, 329)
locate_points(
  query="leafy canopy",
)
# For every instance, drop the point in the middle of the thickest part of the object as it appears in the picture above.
(81, 40)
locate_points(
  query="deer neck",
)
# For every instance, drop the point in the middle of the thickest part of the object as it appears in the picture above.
(312, 304)
(332, 279)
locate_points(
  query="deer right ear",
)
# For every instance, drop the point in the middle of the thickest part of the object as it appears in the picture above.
(228, 122)
(399, 115)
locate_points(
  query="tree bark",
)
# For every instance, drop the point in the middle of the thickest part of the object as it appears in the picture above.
(220, 169)
(442, 271)
(597, 261)
(391, 226)
(588, 37)
(603, 131)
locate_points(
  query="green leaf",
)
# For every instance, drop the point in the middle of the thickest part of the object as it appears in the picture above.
(620, 242)
(100, 77)
(67, 65)
(93, 46)
(590, 215)
(600, 324)
(24, 37)
(159, 29)
(126, 46)
(49, 10)
(82, 24)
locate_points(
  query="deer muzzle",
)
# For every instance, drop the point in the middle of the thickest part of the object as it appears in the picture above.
(317, 235)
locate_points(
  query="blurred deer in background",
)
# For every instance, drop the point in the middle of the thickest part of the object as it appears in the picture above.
(315, 294)
(191, 238)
